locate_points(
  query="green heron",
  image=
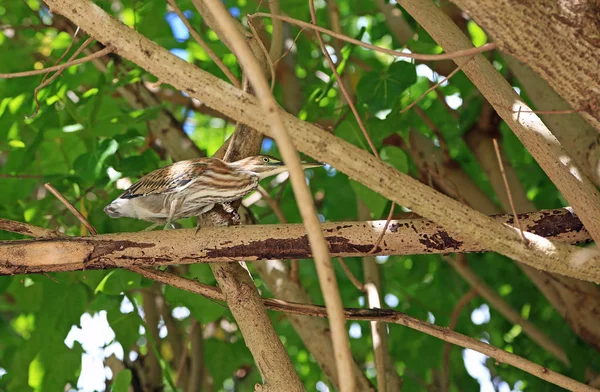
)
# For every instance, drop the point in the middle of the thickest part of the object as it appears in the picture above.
(193, 187)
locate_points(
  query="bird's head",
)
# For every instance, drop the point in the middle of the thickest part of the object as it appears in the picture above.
(266, 166)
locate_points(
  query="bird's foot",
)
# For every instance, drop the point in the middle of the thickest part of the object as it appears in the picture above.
(235, 216)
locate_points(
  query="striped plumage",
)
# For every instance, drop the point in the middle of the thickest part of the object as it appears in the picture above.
(193, 187)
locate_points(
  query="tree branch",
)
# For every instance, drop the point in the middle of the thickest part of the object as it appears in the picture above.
(579, 191)
(264, 242)
(577, 301)
(243, 298)
(60, 67)
(27, 229)
(579, 137)
(572, 52)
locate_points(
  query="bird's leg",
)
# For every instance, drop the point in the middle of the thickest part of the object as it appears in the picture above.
(228, 208)
(172, 209)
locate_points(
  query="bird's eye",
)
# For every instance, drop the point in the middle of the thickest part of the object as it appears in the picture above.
(265, 159)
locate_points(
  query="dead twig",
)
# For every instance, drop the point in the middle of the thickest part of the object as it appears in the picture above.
(357, 283)
(58, 73)
(71, 208)
(42, 71)
(429, 57)
(508, 193)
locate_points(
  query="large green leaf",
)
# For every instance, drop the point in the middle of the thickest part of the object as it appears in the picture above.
(382, 90)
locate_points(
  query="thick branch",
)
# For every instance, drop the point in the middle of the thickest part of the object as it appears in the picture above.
(579, 191)
(579, 137)
(559, 40)
(264, 242)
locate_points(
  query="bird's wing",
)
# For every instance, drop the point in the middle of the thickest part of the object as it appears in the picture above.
(167, 179)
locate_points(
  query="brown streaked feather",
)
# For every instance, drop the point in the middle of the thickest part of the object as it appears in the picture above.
(168, 179)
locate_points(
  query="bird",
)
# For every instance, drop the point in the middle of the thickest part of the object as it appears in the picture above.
(193, 187)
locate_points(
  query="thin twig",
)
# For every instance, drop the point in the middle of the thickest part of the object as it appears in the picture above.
(42, 71)
(183, 359)
(357, 283)
(58, 73)
(70, 207)
(385, 227)
(382, 315)
(569, 111)
(338, 78)
(451, 74)
(290, 48)
(62, 56)
(462, 302)
(508, 193)
(434, 57)
(204, 45)
(272, 203)
(263, 48)
(461, 266)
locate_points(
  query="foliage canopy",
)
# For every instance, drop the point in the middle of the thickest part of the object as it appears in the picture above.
(89, 141)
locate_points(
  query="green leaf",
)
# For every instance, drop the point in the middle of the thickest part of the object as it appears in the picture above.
(372, 199)
(126, 327)
(118, 281)
(381, 91)
(396, 157)
(224, 358)
(122, 381)
(478, 36)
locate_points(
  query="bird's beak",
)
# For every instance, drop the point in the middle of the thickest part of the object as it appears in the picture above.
(309, 165)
